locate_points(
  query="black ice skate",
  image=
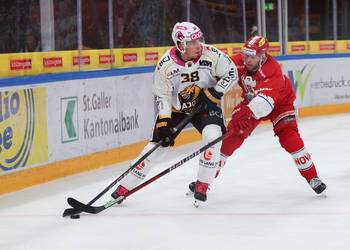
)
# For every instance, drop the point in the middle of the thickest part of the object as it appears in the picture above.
(191, 188)
(317, 185)
(200, 193)
(119, 192)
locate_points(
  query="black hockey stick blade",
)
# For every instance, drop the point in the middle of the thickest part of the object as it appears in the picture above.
(97, 209)
(77, 205)
(83, 207)
(70, 211)
(180, 126)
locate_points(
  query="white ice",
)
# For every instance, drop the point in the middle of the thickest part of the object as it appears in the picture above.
(260, 201)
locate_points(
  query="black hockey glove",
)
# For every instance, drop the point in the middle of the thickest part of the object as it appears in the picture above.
(164, 132)
(209, 98)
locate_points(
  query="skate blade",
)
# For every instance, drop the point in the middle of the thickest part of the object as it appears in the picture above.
(189, 193)
(197, 203)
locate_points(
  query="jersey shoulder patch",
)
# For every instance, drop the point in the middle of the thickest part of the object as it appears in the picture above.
(164, 60)
(211, 51)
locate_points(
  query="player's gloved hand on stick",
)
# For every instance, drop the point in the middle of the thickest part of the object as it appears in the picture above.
(209, 99)
(241, 121)
(164, 132)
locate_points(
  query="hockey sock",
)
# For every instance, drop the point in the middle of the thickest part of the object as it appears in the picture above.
(304, 163)
(209, 159)
(139, 173)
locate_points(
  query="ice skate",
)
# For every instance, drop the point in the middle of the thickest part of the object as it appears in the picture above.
(119, 192)
(200, 193)
(317, 185)
(191, 188)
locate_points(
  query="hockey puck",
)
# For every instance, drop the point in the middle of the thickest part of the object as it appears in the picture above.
(75, 216)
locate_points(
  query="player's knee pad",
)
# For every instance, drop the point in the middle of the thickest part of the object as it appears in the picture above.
(289, 136)
(230, 144)
(209, 134)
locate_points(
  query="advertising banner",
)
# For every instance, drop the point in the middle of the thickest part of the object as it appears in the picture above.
(23, 128)
(319, 81)
(93, 115)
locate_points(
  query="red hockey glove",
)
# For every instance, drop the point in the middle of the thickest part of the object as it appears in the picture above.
(164, 132)
(240, 123)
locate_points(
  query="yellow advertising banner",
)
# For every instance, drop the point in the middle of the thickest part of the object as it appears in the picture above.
(35, 63)
(23, 131)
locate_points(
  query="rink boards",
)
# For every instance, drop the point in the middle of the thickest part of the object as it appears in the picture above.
(52, 126)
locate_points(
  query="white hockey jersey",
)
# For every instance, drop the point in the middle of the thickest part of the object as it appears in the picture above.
(176, 83)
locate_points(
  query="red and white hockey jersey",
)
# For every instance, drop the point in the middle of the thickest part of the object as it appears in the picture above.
(264, 89)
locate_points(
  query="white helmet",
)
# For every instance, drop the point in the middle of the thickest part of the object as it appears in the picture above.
(184, 32)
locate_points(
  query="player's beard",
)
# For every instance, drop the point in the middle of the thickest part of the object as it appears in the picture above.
(252, 69)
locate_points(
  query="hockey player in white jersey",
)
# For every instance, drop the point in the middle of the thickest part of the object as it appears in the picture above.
(189, 75)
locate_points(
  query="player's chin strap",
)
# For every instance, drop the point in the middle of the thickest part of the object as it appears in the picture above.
(262, 60)
(179, 127)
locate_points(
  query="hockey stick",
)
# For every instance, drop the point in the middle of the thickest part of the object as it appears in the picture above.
(97, 209)
(180, 126)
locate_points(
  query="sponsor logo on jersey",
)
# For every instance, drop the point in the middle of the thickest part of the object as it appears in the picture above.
(173, 73)
(214, 50)
(140, 166)
(164, 60)
(207, 155)
(248, 80)
(215, 113)
(205, 63)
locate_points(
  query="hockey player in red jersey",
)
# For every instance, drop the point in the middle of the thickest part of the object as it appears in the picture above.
(267, 94)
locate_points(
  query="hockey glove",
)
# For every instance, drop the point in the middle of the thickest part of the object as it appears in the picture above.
(164, 132)
(209, 99)
(240, 123)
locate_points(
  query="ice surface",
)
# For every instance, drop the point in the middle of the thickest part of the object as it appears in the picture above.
(259, 201)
